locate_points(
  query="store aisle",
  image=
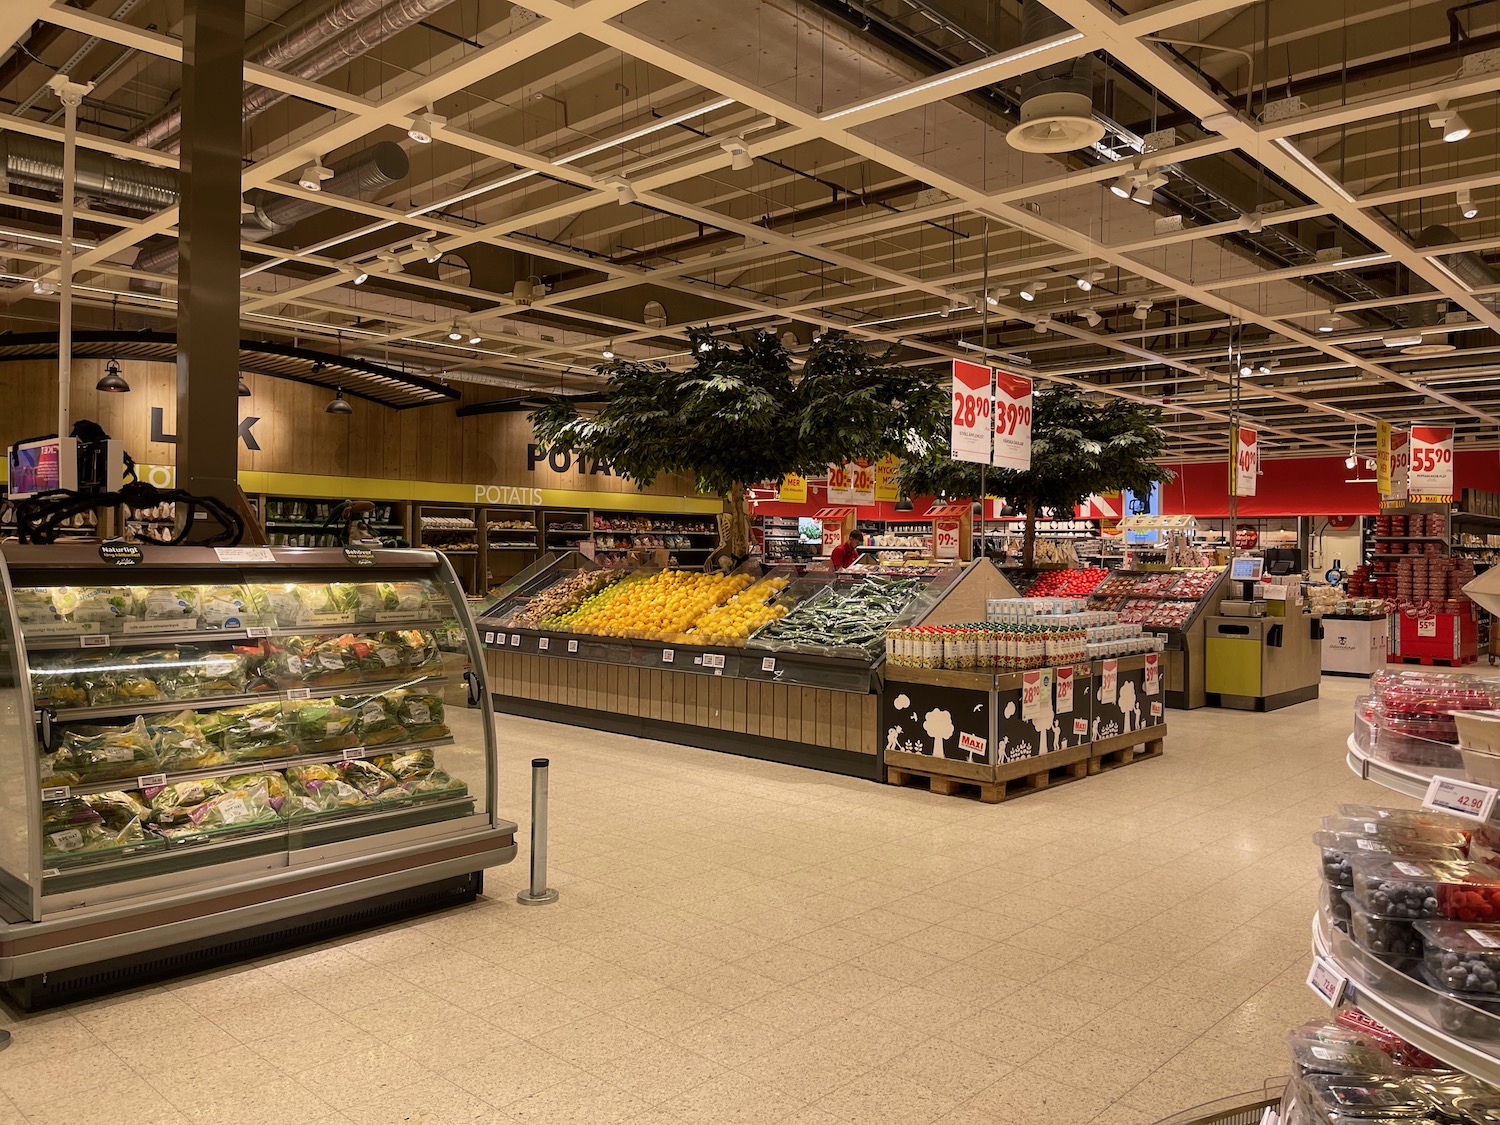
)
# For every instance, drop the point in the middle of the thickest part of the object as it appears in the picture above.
(744, 942)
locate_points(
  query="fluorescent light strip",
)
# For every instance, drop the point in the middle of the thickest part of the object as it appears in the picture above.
(956, 75)
(1311, 165)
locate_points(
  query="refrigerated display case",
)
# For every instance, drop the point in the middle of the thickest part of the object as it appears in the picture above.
(209, 746)
(767, 662)
(1177, 604)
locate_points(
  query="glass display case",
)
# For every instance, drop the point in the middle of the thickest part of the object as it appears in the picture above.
(206, 721)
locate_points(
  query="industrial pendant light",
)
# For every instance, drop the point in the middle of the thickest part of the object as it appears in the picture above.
(244, 390)
(112, 379)
(338, 405)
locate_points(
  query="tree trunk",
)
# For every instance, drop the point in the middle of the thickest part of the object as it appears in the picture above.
(735, 540)
(1028, 541)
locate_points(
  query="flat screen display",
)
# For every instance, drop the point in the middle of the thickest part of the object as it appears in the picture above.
(1246, 570)
(36, 467)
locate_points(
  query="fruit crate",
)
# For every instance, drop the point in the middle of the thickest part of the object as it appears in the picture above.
(1446, 638)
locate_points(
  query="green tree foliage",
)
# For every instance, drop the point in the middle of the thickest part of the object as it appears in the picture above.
(1078, 448)
(741, 415)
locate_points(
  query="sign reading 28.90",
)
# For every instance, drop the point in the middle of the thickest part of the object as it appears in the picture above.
(970, 438)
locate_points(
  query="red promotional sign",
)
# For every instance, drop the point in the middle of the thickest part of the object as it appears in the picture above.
(862, 486)
(1246, 465)
(1431, 477)
(840, 484)
(945, 538)
(1012, 421)
(972, 404)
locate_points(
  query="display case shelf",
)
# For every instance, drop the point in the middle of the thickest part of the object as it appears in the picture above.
(67, 641)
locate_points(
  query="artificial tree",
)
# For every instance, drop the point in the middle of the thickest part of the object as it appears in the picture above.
(1079, 448)
(741, 414)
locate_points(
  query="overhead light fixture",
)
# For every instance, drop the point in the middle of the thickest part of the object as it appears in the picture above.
(455, 332)
(1350, 461)
(1369, 462)
(1245, 368)
(1402, 339)
(1466, 205)
(1145, 191)
(609, 351)
(475, 337)
(338, 404)
(44, 286)
(424, 124)
(705, 346)
(1449, 122)
(360, 277)
(623, 189)
(1091, 318)
(314, 174)
(1254, 220)
(112, 380)
(1263, 368)
(426, 249)
(1219, 122)
(391, 260)
(739, 153)
(1031, 289)
(1084, 283)
(1125, 186)
(244, 388)
(1328, 323)
(1142, 310)
(1044, 323)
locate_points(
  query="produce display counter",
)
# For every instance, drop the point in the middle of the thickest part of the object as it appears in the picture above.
(734, 668)
(214, 752)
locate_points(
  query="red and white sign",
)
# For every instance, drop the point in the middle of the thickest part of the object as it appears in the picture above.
(1106, 507)
(1246, 460)
(1109, 681)
(973, 402)
(1153, 673)
(1064, 693)
(1400, 464)
(862, 481)
(841, 485)
(1034, 685)
(1012, 421)
(833, 535)
(1431, 464)
(945, 538)
(977, 748)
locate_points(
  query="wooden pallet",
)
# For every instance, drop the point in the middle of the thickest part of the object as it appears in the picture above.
(1040, 775)
(1122, 749)
(1431, 661)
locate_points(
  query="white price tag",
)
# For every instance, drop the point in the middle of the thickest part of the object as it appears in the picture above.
(543, 644)
(151, 780)
(244, 554)
(768, 664)
(1109, 681)
(1034, 685)
(713, 660)
(50, 872)
(257, 631)
(1427, 626)
(56, 793)
(572, 646)
(489, 638)
(1153, 674)
(299, 693)
(349, 754)
(1479, 937)
(1462, 798)
(1012, 421)
(1327, 982)
(94, 640)
(515, 640)
(667, 656)
(973, 402)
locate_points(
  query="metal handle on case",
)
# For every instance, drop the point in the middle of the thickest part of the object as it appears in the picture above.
(471, 678)
(46, 720)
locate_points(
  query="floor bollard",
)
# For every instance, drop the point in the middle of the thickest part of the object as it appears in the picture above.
(538, 894)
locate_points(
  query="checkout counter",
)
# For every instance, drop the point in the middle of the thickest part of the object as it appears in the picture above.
(1261, 653)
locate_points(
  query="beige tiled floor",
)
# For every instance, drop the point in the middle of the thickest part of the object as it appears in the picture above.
(745, 942)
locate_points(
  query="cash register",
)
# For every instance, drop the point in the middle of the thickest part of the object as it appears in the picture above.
(1244, 576)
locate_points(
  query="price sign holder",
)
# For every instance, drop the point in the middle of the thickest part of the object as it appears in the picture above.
(1330, 984)
(1461, 798)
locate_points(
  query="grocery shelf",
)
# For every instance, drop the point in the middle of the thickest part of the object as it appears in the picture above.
(1402, 1004)
(251, 765)
(65, 641)
(1402, 779)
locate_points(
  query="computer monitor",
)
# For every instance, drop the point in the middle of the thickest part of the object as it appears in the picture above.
(1247, 569)
(43, 466)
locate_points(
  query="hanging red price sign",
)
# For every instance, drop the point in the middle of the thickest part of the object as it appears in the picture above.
(1246, 466)
(1400, 466)
(862, 482)
(1012, 421)
(1431, 477)
(840, 484)
(972, 401)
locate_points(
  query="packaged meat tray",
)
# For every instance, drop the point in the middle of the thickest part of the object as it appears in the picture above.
(1136, 610)
(1418, 889)
(1153, 585)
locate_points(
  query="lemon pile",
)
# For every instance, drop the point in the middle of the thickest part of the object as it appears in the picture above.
(660, 607)
(741, 615)
(564, 621)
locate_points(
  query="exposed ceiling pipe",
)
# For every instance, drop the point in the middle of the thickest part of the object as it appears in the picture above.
(1057, 101)
(1468, 266)
(362, 174)
(37, 163)
(347, 31)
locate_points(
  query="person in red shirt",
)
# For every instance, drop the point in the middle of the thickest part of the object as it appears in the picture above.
(846, 552)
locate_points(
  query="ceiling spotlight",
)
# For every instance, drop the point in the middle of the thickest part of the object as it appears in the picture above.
(112, 380)
(338, 404)
(1125, 186)
(1328, 323)
(1044, 323)
(705, 346)
(1245, 368)
(1142, 310)
(1369, 462)
(44, 286)
(475, 337)
(1145, 191)
(1466, 205)
(314, 174)
(244, 388)
(624, 192)
(391, 260)
(739, 153)
(1402, 339)
(360, 277)
(1091, 318)
(1452, 125)
(1084, 283)
(1031, 289)
(425, 248)
(455, 332)
(609, 351)
(1350, 461)
(423, 125)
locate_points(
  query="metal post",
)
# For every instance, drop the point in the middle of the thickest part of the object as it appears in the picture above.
(71, 95)
(538, 893)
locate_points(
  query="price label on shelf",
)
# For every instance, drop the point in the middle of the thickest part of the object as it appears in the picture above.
(299, 693)
(572, 646)
(93, 640)
(56, 793)
(151, 781)
(1462, 798)
(489, 638)
(713, 660)
(1327, 982)
(543, 644)
(1153, 674)
(244, 554)
(515, 640)
(350, 753)
(768, 664)
(254, 631)
(1109, 681)
(667, 656)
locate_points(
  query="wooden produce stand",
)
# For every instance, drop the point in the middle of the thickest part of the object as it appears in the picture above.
(1008, 733)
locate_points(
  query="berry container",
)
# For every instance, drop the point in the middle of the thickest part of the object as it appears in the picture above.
(1394, 941)
(1341, 847)
(1417, 889)
(1462, 957)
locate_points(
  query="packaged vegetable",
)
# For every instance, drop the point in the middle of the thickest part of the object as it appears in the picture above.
(367, 600)
(71, 826)
(321, 795)
(336, 598)
(405, 767)
(323, 725)
(405, 597)
(299, 776)
(105, 604)
(107, 753)
(181, 744)
(225, 607)
(434, 783)
(170, 804)
(421, 654)
(282, 603)
(56, 684)
(287, 660)
(376, 723)
(367, 777)
(277, 788)
(55, 774)
(118, 809)
(162, 603)
(337, 661)
(38, 605)
(231, 808)
(421, 713)
(127, 677)
(204, 675)
(257, 732)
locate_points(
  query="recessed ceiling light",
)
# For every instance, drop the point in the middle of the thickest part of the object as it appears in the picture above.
(1402, 339)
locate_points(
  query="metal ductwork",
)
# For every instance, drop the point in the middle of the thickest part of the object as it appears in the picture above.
(37, 163)
(1468, 266)
(1057, 102)
(362, 174)
(348, 30)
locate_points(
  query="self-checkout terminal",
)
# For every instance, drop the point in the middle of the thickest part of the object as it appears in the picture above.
(1244, 578)
(1257, 662)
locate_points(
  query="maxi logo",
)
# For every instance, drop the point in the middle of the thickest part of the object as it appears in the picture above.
(159, 429)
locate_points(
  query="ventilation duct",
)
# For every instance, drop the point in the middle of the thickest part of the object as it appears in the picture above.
(347, 31)
(1465, 265)
(1057, 102)
(37, 163)
(362, 174)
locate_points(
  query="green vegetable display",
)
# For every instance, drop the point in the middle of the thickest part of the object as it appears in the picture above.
(857, 616)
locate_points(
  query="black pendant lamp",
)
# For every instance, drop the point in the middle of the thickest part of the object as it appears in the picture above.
(112, 380)
(903, 505)
(338, 405)
(244, 391)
